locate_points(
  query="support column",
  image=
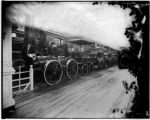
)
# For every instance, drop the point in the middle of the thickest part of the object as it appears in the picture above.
(8, 100)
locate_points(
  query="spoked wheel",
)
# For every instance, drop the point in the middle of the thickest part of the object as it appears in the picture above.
(84, 69)
(53, 72)
(72, 69)
(91, 67)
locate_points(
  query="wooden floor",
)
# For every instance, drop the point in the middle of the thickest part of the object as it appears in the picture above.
(92, 96)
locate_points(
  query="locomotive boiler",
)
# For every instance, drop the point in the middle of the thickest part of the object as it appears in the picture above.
(46, 54)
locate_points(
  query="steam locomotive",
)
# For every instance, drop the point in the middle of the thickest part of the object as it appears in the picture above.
(54, 54)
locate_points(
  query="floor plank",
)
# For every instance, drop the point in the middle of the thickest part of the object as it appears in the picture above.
(92, 96)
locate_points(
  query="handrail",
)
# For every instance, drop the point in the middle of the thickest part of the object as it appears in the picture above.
(28, 84)
(21, 79)
(21, 72)
(21, 85)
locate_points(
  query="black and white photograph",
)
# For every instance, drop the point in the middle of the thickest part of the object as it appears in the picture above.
(75, 59)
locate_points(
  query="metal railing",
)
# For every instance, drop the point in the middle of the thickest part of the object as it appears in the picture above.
(21, 87)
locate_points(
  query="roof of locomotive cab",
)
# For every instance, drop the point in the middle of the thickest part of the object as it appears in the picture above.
(80, 42)
(57, 35)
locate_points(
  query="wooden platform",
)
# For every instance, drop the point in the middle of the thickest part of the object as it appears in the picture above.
(92, 96)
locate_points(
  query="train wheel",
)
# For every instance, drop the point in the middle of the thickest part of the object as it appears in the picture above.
(72, 69)
(53, 72)
(91, 67)
(84, 69)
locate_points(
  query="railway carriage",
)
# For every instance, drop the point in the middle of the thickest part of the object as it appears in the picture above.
(87, 61)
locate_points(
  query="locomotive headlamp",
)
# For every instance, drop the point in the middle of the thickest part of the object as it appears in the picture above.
(13, 35)
(32, 55)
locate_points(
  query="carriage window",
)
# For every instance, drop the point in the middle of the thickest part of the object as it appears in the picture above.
(37, 41)
(69, 49)
(61, 41)
(72, 49)
(82, 49)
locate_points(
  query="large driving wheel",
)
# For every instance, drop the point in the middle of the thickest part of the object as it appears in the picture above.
(53, 72)
(91, 67)
(72, 69)
(84, 69)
